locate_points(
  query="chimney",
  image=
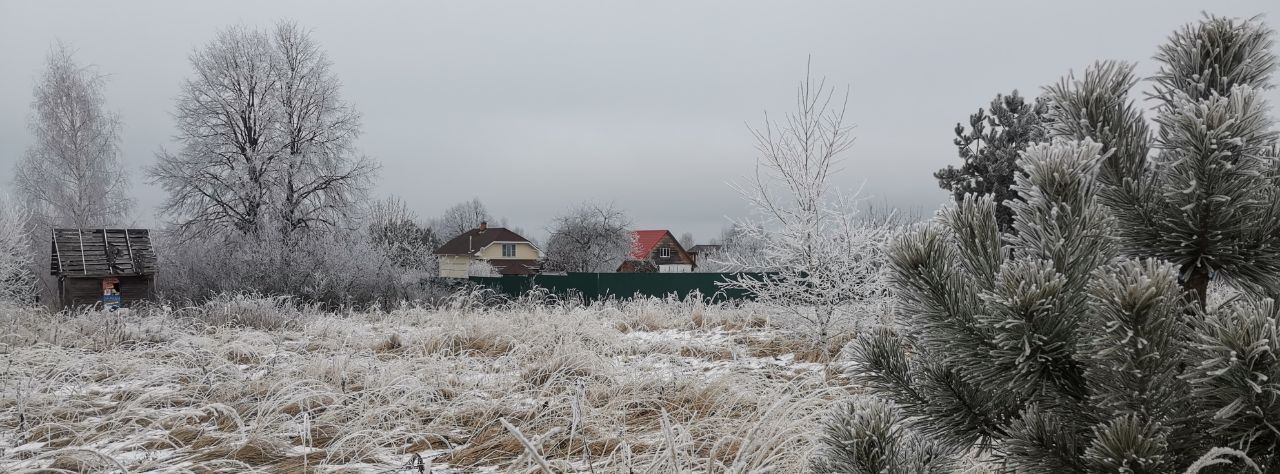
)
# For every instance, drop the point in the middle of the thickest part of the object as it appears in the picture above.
(483, 225)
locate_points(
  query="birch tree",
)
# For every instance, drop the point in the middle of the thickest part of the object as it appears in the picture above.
(71, 175)
(821, 257)
(266, 139)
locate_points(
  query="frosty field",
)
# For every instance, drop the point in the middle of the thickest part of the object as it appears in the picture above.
(242, 384)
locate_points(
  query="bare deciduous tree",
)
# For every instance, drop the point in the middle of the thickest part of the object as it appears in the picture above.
(323, 177)
(821, 257)
(71, 175)
(462, 217)
(590, 237)
(686, 240)
(266, 138)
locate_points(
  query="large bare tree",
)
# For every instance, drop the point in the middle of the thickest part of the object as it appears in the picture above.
(323, 177)
(590, 237)
(267, 141)
(71, 175)
(462, 217)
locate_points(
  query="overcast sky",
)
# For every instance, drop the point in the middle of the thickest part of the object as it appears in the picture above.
(532, 106)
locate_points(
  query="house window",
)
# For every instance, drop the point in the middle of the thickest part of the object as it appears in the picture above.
(664, 252)
(508, 250)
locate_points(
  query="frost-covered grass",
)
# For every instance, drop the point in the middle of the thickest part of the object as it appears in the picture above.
(245, 383)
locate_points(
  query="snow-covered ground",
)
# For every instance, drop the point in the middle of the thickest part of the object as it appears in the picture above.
(246, 384)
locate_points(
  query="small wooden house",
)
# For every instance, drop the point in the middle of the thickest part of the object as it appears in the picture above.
(657, 251)
(113, 267)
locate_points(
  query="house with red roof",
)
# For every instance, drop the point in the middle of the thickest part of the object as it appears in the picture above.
(507, 252)
(657, 251)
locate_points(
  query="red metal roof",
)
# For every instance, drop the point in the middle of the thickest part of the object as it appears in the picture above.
(646, 240)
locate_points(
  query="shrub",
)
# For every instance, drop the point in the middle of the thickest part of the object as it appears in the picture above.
(343, 268)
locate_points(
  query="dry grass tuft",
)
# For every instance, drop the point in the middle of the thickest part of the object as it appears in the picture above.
(254, 451)
(390, 344)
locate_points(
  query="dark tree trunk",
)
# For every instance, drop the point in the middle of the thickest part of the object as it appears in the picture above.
(1197, 283)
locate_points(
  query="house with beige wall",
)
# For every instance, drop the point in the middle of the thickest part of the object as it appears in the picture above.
(488, 249)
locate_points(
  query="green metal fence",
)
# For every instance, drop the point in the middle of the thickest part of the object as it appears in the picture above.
(594, 286)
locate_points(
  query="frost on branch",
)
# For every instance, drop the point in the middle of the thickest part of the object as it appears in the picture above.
(1053, 354)
(1201, 192)
(990, 149)
(822, 258)
(17, 280)
(266, 139)
(71, 175)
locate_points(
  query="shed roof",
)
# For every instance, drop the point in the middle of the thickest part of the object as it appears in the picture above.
(101, 252)
(475, 239)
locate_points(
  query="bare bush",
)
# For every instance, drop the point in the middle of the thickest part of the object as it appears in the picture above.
(342, 268)
(400, 235)
(17, 280)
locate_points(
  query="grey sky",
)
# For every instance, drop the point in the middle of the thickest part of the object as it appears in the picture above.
(533, 106)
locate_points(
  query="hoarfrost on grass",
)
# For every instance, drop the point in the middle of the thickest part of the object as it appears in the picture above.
(645, 385)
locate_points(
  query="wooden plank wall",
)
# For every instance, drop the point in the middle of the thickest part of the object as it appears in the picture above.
(678, 255)
(78, 292)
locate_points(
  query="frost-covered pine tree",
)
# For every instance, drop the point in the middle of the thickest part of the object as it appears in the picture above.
(819, 256)
(990, 148)
(1050, 353)
(1086, 342)
(1207, 199)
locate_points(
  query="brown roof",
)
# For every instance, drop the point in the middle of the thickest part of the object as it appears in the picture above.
(475, 239)
(101, 252)
(514, 267)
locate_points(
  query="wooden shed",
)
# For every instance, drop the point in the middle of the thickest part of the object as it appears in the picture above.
(102, 266)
